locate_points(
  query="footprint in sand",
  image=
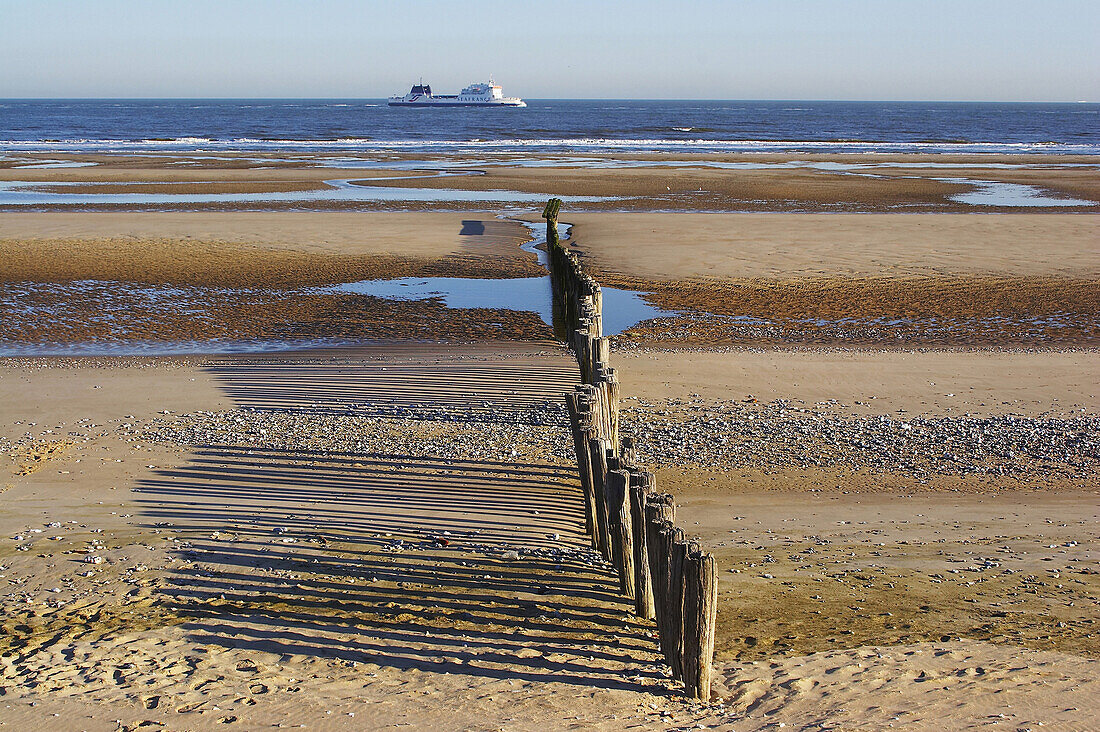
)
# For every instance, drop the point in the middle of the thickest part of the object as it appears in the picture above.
(748, 694)
(258, 688)
(799, 685)
(151, 702)
(142, 725)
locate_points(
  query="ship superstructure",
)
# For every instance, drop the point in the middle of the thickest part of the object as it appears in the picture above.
(475, 95)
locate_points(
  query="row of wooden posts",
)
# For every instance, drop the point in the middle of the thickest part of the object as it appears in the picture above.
(669, 578)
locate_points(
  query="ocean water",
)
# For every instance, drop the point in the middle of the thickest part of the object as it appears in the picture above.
(557, 126)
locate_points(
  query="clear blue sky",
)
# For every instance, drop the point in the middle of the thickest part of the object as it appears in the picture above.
(749, 49)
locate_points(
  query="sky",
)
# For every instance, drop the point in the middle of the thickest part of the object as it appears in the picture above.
(968, 50)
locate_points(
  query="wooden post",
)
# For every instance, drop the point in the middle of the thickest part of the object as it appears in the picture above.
(597, 450)
(627, 451)
(622, 535)
(676, 601)
(664, 534)
(608, 384)
(613, 391)
(580, 416)
(597, 302)
(700, 610)
(602, 410)
(659, 516)
(553, 244)
(601, 356)
(596, 309)
(554, 255)
(550, 213)
(641, 488)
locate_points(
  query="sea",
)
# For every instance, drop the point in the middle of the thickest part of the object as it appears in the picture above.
(370, 127)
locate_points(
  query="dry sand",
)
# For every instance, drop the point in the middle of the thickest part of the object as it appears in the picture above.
(667, 246)
(246, 587)
(257, 586)
(870, 382)
(414, 235)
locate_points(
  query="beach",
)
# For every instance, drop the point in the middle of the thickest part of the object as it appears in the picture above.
(796, 183)
(874, 404)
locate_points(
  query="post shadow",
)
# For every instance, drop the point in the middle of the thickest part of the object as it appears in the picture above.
(476, 566)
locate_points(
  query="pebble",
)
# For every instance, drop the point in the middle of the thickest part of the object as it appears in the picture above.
(675, 433)
(782, 435)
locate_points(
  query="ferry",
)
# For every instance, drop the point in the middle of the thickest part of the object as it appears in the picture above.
(475, 95)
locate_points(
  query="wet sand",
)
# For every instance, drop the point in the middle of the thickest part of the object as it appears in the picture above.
(252, 249)
(883, 280)
(240, 276)
(833, 186)
(797, 190)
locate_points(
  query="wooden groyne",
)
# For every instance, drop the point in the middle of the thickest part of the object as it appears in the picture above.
(669, 577)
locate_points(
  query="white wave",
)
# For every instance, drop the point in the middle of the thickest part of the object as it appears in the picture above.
(701, 144)
(177, 141)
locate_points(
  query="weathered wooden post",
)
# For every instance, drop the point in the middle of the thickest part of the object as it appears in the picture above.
(596, 298)
(678, 558)
(641, 488)
(700, 611)
(603, 410)
(583, 348)
(608, 384)
(660, 513)
(601, 353)
(553, 257)
(580, 417)
(627, 451)
(622, 535)
(597, 450)
(666, 535)
(550, 213)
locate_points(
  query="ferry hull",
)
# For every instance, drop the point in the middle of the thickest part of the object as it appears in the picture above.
(475, 95)
(457, 104)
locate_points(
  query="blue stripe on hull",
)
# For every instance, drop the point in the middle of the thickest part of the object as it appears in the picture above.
(449, 104)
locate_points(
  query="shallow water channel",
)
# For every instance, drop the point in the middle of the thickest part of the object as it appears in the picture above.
(30, 193)
(622, 308)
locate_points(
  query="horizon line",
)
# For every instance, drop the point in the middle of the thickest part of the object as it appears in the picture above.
(553, 99)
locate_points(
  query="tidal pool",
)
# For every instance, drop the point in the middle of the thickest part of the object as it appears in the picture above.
(996, 193)
(622, 309)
